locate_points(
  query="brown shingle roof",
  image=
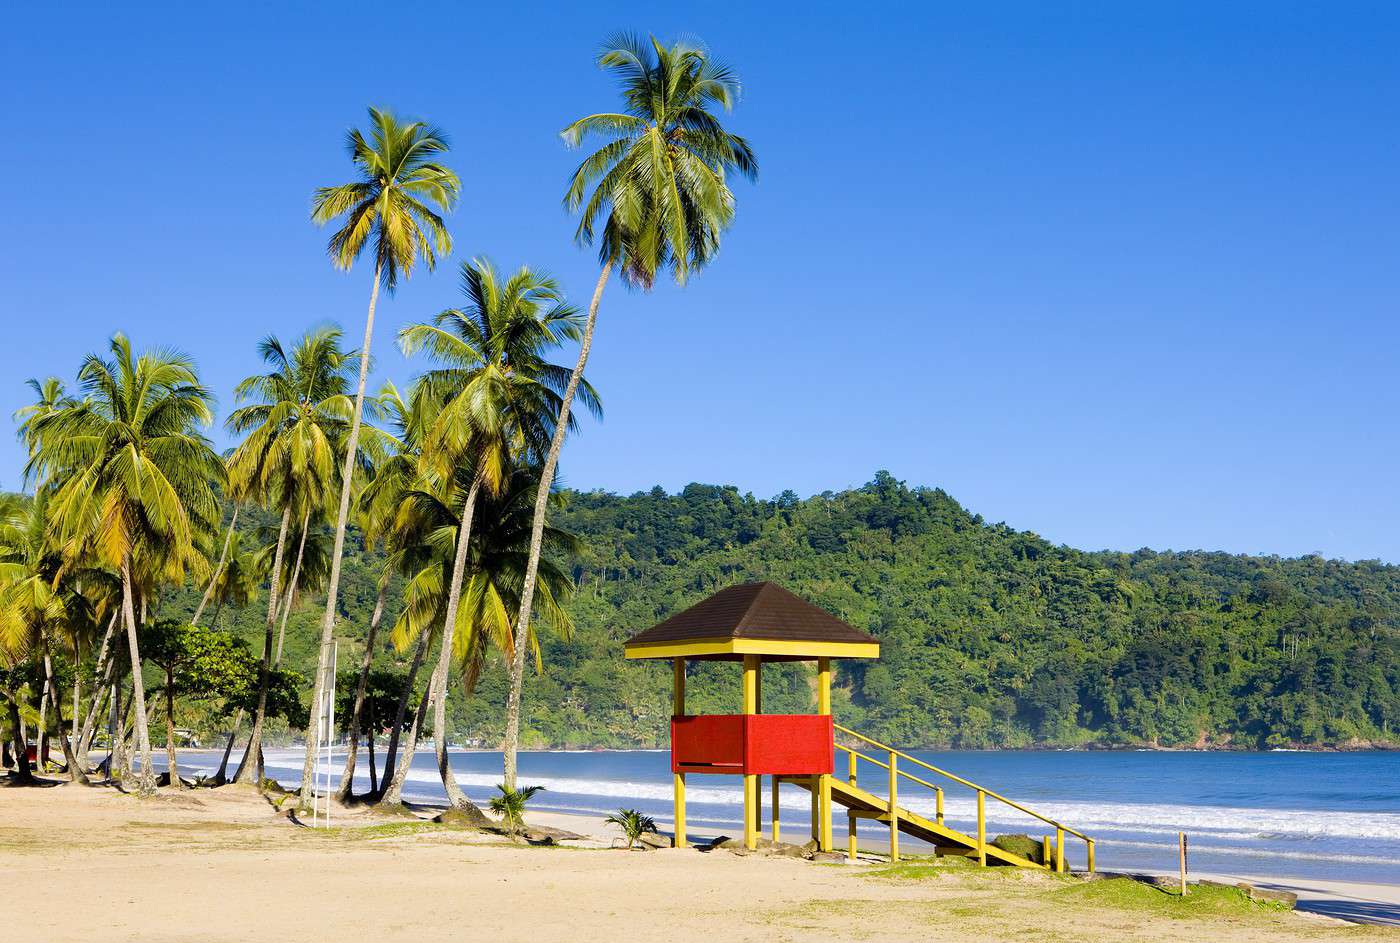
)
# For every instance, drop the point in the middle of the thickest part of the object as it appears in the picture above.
(752, 611)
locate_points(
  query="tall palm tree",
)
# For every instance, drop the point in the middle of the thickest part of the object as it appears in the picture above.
(499, 398)
(660, 200)
(132, 480)
(295, 417)
(395, 204)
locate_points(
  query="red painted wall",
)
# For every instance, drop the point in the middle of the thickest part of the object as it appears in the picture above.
(753, 744)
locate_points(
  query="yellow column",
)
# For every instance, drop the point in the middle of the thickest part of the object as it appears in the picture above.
(1059, 849)
(981, 828)
(894, 807)
(851, 816)
(1090, 843)
(824, 708)
(777, 835)
(750, 781)
(678, 710)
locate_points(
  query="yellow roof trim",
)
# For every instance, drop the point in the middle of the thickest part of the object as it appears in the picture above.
(694, 648)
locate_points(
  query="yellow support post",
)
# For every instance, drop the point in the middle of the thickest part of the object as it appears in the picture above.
(1045, 851)
(851, 817)
(938, 805)
(816, 786)
(823, 800)
(751, 810)
(1090, 842)
(1060, 850)
(678, 710)
(981, 828)
(894, 807)
(776, 832)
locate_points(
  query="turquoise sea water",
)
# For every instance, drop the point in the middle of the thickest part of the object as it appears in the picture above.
(1322, 815)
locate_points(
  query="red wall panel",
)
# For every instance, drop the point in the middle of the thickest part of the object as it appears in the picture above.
(755, 744)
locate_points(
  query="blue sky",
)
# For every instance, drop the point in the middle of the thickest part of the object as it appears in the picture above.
(1122, 274)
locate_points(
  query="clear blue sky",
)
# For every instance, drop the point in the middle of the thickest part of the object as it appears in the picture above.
(1122, 275)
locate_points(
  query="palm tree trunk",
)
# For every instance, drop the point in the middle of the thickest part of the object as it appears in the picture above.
(392, 752)
(394, 794)
(145, 782)
(106, 667)
(77, 698)
(250, 767)
(116, 760)
(218, 569)
(23, 774)
(455, 797)
(75, 771)
(292, 587)
(342, 518)
(373, 778)
(170, 761)
(220, 777)
(527, 590)
(41, 739)
(347, 778)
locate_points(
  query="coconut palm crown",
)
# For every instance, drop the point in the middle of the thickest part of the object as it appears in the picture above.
(396, 202)
(659, 192)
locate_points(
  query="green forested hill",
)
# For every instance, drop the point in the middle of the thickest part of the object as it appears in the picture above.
(991, 637)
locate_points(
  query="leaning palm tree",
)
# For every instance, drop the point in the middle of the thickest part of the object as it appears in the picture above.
(499, 397)
(294, 416)
(132, 481)
(395, 204)
(660, 200)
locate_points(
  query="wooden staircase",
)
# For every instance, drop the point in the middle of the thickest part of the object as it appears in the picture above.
(860, 803)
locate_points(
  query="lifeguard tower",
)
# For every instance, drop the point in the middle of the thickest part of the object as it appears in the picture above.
(757, 623)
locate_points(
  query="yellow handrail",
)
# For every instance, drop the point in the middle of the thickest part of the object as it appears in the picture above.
(1058, 862)
(957, 779)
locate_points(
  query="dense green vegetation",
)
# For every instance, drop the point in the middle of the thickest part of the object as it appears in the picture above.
(992, 637)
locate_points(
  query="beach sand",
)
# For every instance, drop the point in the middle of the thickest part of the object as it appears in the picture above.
(224, 864)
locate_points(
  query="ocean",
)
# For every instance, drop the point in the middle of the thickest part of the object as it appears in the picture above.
(1282, 814)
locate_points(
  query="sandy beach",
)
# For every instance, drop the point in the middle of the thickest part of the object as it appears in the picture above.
(224, 864)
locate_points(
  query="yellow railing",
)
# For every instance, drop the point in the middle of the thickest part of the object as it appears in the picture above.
(892, 765)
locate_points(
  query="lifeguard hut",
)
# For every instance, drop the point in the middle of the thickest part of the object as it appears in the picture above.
(755, 623)
(758, 623)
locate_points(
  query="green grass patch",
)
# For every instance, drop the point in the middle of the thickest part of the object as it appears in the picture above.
(1200, 900)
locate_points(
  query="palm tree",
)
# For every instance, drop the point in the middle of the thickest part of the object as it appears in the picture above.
(660, 190)
(209, 590)
(395, 204)
(295, 417)
(427, 534)
(633, 825)
(37, 604)
(395, 467)
(499, 397)
(132, 481)
(510, 806)
(237, 583)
